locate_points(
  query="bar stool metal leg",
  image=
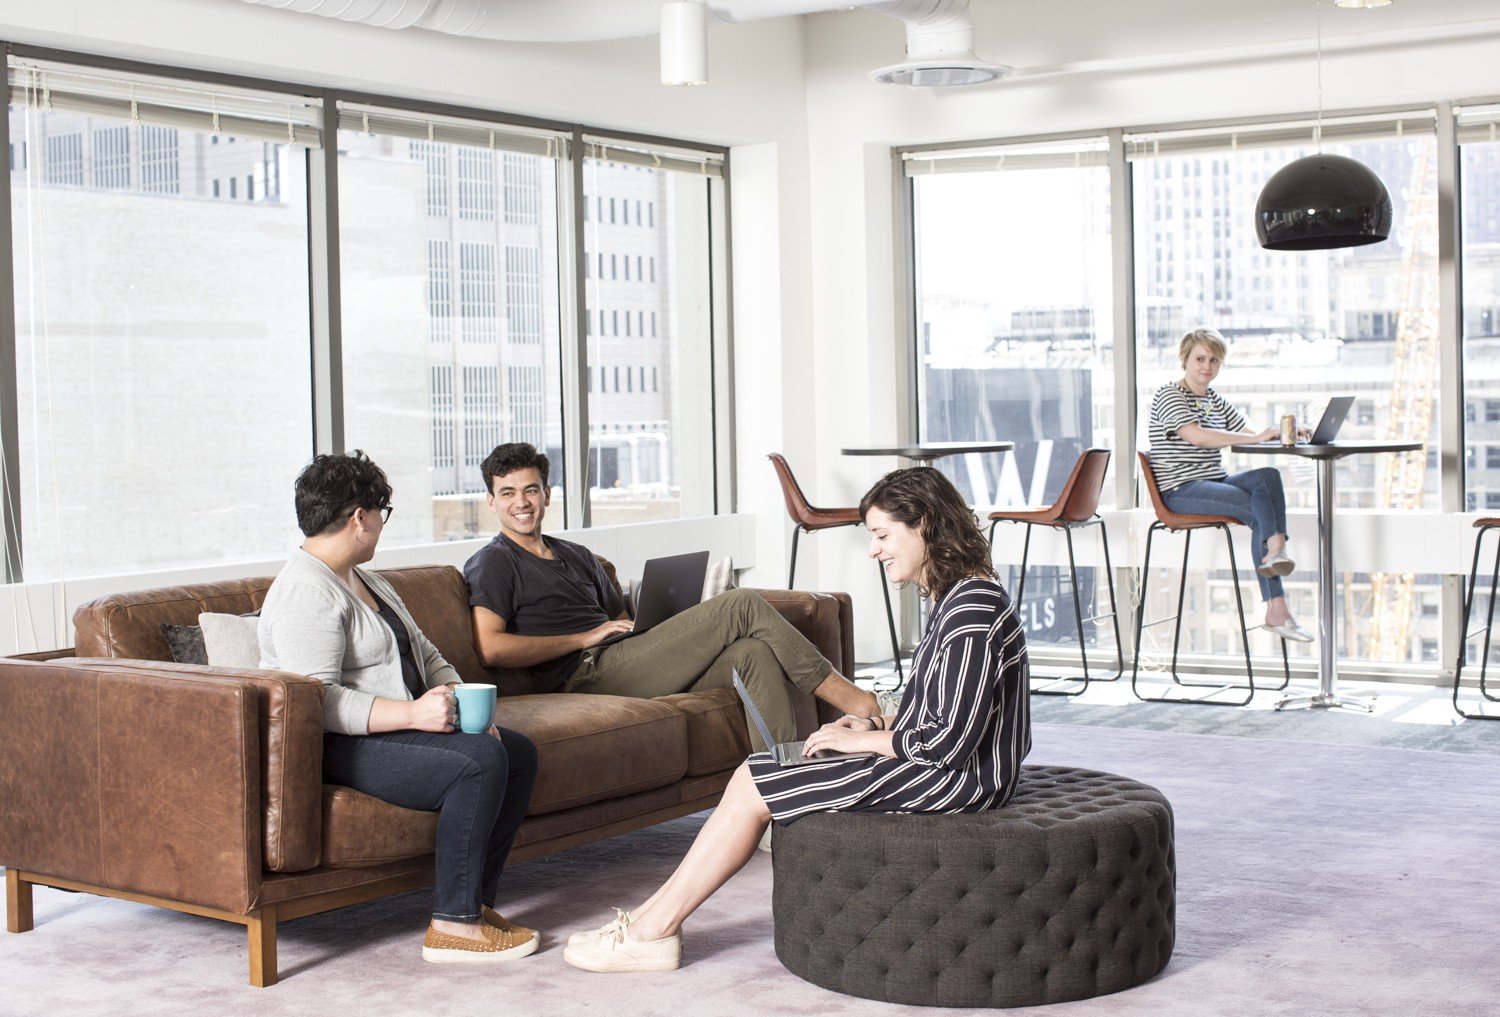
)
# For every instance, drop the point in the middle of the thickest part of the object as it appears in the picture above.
(1205, 700)
(1463, 643)
(1114, 606)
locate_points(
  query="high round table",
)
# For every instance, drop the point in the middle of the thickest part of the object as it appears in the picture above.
(1326, 456)
(927, 453)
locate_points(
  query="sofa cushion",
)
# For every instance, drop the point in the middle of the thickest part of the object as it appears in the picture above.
(594, 747)
(129, 624)
(717, 738)
(359, 830)
(589, 749)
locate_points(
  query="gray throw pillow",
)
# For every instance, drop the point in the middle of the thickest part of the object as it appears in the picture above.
(231, 640)
(184, 643)
(719, 578)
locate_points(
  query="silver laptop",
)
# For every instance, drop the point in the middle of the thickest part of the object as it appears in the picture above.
(785, 753)
(1332, 419)
(669, 587)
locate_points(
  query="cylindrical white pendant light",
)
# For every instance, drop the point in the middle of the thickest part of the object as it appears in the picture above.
(684, 43)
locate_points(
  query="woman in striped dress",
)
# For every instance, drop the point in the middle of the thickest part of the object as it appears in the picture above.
(1190, 426)
(954, 745)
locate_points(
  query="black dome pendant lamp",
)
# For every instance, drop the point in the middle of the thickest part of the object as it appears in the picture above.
(1322, 201)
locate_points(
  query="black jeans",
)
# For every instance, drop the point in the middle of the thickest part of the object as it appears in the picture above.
(478, 784)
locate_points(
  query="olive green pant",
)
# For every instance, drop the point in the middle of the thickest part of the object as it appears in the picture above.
(696, 650)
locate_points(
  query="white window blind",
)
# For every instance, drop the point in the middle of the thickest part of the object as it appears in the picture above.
(1283, 134)
(682, 160)
(1073, 153)
(209, 109)
(452, 130)
(1479, 123)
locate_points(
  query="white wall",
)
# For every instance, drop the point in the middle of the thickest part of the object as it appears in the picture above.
(1087, 69)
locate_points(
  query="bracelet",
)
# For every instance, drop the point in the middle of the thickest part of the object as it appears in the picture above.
(878, 722)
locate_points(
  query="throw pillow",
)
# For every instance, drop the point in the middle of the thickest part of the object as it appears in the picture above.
(720, 577)
(231, 640)
(184, 643)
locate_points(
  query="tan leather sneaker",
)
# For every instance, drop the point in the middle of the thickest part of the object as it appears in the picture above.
(494, 918)
(496, 947)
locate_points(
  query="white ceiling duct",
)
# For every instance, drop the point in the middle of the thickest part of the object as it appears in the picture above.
(939, 33)
(939, 46)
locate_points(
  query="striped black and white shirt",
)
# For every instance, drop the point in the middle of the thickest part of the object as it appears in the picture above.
(1174, 461)
(962, 729)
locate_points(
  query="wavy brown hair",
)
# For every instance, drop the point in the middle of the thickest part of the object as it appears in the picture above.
(927, 501)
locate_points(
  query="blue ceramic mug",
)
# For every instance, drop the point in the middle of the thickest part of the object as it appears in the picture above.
(475, 704)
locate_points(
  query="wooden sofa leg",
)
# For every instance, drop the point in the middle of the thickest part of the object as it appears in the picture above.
(17, 902)
(261, 929)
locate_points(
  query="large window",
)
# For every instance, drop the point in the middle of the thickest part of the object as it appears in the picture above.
(1302, 327)
(1479, 200)
(651, 453)
(177, 266)
(1015, 336)
(439, 296)
(162, 336)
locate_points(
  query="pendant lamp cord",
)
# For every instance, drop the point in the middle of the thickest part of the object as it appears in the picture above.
(1318, 131)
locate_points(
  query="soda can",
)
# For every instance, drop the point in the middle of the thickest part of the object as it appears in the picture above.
(1289, 430)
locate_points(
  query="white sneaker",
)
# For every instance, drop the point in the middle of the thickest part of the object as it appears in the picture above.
(1290, 630)
(616, 950)
(607, 927)
(1277, 564)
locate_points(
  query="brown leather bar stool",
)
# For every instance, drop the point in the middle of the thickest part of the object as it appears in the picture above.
(807, 517)
(1167, 520)
(1076, 508)
(1484, 526)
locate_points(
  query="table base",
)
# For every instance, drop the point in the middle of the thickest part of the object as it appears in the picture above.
(1329, 701)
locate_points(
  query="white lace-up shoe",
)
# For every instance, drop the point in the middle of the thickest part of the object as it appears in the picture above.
(1290, 630)
(607, 927)
(614, 949)
(1276, 565)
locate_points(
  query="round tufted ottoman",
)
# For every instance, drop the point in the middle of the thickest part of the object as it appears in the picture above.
(1067, 892)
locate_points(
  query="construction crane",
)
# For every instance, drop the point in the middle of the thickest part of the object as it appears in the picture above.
(1403, 476)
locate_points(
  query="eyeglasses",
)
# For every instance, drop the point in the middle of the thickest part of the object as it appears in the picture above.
(385, 512)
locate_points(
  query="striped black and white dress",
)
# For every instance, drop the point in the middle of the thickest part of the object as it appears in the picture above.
(1174, 461)
(962, 729)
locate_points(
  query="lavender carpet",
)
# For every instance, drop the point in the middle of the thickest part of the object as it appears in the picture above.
(1313, 879)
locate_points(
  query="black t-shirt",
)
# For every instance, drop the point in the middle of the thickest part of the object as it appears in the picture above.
(540, 597)
(409, 671)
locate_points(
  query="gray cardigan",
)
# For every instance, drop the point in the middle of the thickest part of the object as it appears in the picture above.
(312, 624)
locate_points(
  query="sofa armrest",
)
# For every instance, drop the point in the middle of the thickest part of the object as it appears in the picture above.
(289, 710)
(130, 780)
(826, 619)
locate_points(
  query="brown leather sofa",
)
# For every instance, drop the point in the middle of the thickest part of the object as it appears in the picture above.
(200, 789)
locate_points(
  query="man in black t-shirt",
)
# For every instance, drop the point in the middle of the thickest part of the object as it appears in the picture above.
(542, 604)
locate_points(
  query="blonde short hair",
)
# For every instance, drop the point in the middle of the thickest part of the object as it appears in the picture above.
(1209, 337)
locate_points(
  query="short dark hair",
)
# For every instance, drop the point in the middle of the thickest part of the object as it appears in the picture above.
(508, 458)
(924, 499)
(331, 487)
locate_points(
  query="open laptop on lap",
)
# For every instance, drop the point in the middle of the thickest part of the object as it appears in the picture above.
(785, 753)
(669, 587)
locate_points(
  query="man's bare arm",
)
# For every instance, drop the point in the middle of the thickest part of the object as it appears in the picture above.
(499, 648)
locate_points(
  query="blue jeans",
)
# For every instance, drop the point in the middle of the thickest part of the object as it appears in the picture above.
(478, 784)
(1254, 497)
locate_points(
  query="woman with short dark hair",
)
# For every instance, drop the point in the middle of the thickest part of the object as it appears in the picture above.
(955, 744)
(388, 707)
